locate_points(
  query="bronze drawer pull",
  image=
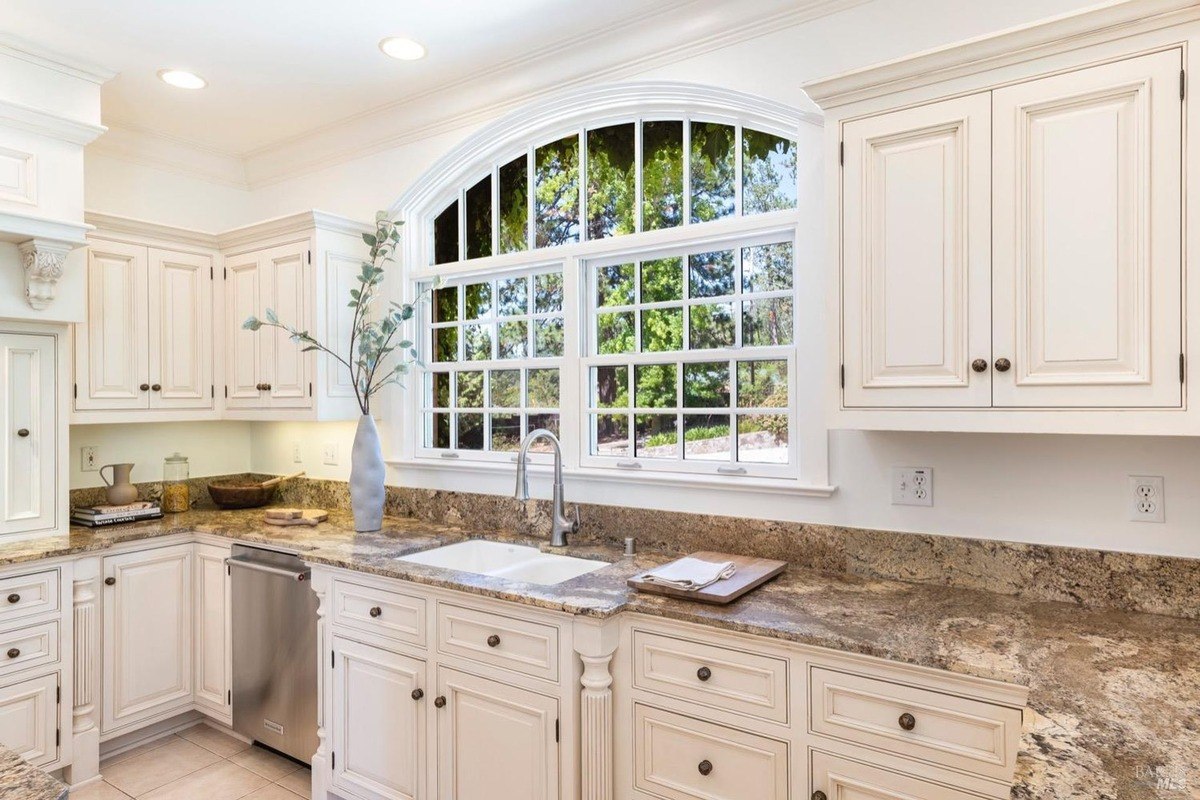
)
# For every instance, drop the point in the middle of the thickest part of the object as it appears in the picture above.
(819, 795)
(13, 652)
(704, 673)
(493, 641)
(705, 767)
(908, 721)
(14, 598)
(22, 432)
(110, 581)
(376, 611)
(417, 694)
(439, 701)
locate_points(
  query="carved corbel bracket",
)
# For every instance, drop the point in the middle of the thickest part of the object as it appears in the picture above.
(43, 260)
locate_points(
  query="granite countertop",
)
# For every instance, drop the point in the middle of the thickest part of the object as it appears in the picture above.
(1112, 694)
(20, 781)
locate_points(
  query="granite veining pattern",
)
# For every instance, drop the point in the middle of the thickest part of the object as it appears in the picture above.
(1113, 694)
(20, 781)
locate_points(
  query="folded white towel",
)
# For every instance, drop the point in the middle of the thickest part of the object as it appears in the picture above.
(690, 574)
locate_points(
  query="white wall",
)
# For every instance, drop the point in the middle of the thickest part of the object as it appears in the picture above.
(1052, 489)
(212, 448)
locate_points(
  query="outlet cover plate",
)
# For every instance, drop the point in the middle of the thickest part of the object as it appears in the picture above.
(1147, 500)
(912, 486)
(329, 454)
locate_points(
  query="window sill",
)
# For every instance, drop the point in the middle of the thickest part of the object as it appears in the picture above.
(582, 476)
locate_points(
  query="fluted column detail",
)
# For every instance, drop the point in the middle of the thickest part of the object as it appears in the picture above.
(595, 641)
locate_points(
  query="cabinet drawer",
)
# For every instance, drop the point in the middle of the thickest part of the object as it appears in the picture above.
(527, 647)
(679, 757)
(28, 647)
(849, 780)
(971, 735)
(379, 611)
(29, 719)
(24, 596)
(746, 683)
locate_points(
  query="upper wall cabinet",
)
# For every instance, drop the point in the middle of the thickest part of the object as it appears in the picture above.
(29, 433)
(1009, 237)
(163, 337)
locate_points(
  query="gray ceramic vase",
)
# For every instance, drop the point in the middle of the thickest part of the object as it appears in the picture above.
(367, 473)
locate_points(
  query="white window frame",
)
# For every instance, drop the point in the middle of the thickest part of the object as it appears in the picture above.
(576, 112)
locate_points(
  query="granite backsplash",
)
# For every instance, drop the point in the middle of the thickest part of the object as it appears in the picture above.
(1093, 578)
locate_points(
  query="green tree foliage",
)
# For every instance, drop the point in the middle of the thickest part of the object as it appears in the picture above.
(556, 193)
(713, 167)
(768, 172)
(611, 193)
(662, 175)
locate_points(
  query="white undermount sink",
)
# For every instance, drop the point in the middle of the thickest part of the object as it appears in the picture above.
(512, 561)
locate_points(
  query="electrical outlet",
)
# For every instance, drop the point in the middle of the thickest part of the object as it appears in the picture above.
(912, 486)
(88, 459)
(296, 458)
(1147, 501)
(329, 454)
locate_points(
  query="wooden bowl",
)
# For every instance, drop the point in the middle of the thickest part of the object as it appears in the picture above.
(241, 495)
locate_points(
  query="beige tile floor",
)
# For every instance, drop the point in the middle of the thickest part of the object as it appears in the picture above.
(198, 763)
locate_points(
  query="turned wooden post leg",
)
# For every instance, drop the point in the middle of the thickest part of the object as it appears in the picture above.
(595, 643)
(85, 688)
(321, 778)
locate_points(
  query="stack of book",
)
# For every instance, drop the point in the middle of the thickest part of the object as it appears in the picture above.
(99, 516)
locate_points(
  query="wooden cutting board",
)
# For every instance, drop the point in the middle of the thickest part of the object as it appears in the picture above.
(751, 573)
(308, 517)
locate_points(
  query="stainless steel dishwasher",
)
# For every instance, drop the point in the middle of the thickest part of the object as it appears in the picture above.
(274, 650)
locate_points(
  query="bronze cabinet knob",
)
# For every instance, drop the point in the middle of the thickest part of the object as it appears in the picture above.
(13, 652)
(979, 365)
(376, 611)
(704, 673)
(157, 387)
(258, 386)
(439, 701)
(1003, 365)
(493, 641)
(266, 387)
(417, 694)
(705, 767)
(110, 581)
(907, 721)
(22, 432)
(14, 598)
(819, 795)
(145, 387)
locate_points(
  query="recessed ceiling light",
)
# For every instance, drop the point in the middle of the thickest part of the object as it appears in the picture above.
(401, 48)
(182, 79)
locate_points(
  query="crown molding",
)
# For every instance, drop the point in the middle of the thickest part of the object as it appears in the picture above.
(44, 123)
(169, 154)
(20, 228)
(1048, 37)
(48, 59)
(111, 225)
(288, 225)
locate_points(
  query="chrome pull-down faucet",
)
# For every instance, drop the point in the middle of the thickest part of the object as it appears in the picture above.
(562, 523)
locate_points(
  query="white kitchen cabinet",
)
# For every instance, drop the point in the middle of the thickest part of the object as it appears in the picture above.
(214, 632)
(147, 636)
(1087, 269)
(29, 719)
(495, 741)
(917, 260)
(1009, 234)
(147, 340)
(29, 467)
(378, 736)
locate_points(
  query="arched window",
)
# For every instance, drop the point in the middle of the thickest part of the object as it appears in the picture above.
(622, 266)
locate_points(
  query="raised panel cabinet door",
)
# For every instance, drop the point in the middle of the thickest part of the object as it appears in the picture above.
(28, 441)
(147, 640)
(1087, 259)
(378, 722)
(29, 719)
(495, 742)
(916, 253)
(244, 373)
(285, 289)
(213, 630)
(181, 329)
(112, 352)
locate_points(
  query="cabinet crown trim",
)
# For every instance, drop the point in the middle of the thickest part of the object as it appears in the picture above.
(1058, 34)
(292, 223)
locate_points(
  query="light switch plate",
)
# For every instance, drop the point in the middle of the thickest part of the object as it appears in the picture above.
(88, 459)
(329, 454)
(912, 486)
(1147, 500)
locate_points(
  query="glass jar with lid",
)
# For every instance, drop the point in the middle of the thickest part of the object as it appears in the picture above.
(176, 495)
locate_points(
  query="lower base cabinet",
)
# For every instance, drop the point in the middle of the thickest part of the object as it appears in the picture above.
(29, 719)
(843, 779)
(495, 741)
(379, 703)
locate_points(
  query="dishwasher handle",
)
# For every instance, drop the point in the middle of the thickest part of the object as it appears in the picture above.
(258, 566)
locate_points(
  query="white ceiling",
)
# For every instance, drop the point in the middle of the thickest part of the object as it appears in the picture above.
(280, 69)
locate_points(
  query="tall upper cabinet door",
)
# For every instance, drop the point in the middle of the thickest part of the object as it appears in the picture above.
(916, 206)
(243, 354)
(284, 281)
(29, 438)
(1087, 250)
(180, 313)
(112, 346)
